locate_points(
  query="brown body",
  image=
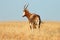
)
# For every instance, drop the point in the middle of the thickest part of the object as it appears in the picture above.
(34, 19)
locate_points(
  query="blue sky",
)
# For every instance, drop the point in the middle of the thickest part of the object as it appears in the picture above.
(11, 10)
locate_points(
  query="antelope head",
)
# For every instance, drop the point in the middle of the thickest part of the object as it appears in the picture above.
(25, 10)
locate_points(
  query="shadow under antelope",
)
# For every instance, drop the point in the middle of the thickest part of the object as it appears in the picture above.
(34, 19)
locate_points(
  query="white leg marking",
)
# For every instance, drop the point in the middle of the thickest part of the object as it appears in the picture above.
(37, 23)
(31, 26)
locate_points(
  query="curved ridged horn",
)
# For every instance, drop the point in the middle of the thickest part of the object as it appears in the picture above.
(25, 6)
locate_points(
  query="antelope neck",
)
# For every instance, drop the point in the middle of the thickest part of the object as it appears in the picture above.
(28, 15)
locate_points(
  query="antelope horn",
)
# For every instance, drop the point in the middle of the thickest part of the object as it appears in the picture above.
(25, 7)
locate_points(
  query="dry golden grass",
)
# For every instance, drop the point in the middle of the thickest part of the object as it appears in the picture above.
(21, 31)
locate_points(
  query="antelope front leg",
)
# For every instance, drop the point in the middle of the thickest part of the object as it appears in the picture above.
(30, 26)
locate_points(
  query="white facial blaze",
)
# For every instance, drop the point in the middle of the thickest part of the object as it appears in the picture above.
(23, 13)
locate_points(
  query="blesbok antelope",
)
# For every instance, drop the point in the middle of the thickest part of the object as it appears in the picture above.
(34, 19)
